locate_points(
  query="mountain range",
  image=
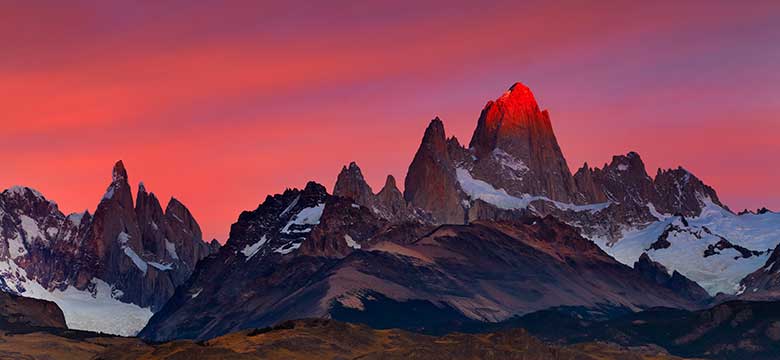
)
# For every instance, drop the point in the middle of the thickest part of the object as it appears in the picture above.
(107, 272)
(481, 234)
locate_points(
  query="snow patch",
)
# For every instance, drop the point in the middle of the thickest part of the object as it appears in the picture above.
(288, 248)
(139, 263)
(16, 246)
(351, 242)
(30, 227)
(97, 308)
(657, 214)
(159, 266)
(171, 249)
(123, 238)
(291, 206)
(622, 167)
(516, 166)
(716, 273)
(197, 292)
(478, 189)
(307, 216)
(251, 250)
(109, 192)
(52, 232)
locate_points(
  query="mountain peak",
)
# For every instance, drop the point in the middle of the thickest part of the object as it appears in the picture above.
(119, 173)
(351, 184)
(390, 182)
(514, 117)
(519, 95)
(513, 127)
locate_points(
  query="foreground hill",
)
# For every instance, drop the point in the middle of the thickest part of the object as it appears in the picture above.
(315, 339)
(732, 330)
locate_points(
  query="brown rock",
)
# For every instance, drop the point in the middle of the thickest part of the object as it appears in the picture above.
(516, 148)
(431, 183)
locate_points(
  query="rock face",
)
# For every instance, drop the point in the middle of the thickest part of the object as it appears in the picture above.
(141, 244)
(21, 311)
(513, 136)
(388, 204)
(624, 180)
(764, 283)
(679, 191)
(431, 183)
(128, 252)
(678, 283)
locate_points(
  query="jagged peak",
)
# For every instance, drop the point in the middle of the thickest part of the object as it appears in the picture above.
(631, 162)
(352, 168)
(175, 205)
(390, 182)
(512, 118)
(18, 190)
(119, 173)
(313, 186)
(141, 187)
(435, 135)
(584, 167)
(435, 128)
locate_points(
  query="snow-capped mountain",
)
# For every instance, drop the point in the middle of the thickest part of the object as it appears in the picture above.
(108, 272)
(514, 167)
(480, 233)
(717, 248)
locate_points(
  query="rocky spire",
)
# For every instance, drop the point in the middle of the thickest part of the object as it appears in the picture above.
(388, 204)
(431, 183)
(513, 134)
(150, 218)
(392, 199)
(351, 184)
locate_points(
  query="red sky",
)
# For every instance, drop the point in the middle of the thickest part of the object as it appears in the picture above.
(219, 105)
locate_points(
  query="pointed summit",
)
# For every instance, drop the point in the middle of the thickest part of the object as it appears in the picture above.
(434, 138)
(351, 184)
(390, 183)
(513, 136)
(430, 183)
(519, 95)
(509, 122)
(119, 173)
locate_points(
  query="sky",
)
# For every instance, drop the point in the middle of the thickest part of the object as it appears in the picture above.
(220, 103)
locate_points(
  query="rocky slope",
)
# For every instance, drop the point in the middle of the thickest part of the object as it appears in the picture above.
(733, 330)
(18, 311)
(764, 283)
(108, 271)
(305, 253)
